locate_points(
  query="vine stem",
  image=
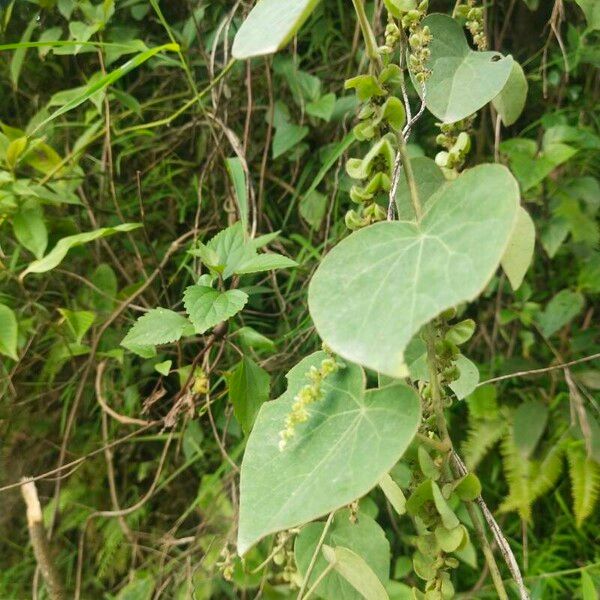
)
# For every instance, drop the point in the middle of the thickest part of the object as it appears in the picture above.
(410, 177)
(367, 31)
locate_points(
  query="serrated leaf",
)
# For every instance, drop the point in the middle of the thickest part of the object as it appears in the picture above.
(157, 326)
(269, 27)
(510, 102)
(352, 438)
(8, 332)
(57, 254)
(519, 253)
(356, 572)
(376, 289)
(462, 81)
(364, 537)
(208, 307)
(248, 387)
(264, 262)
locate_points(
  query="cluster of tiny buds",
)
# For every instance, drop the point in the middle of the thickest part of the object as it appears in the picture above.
(308, 394)
(392, 37)
(226, 563)
(475, 22)
(419, 39)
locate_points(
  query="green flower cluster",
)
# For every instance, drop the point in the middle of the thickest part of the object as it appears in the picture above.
(308, 394)
(456, 141)
(475, 22)
(381, 119)
(434, 499)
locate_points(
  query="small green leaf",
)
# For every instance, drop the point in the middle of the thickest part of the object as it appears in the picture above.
(56, 255)
(157, 326)
(529, 424)
(468, 380)
(164, 368)
(462, 332)
(249, 386)
(288, 135)
(208, 307)
(270, 25)
(322, 108)
(591, 10)
(238, 179)
(449, 519)
(352, 439)
(15, 151)
(8, 332)
(519, 253)
(363, 536)
(356, 572)
(313, 207)
(30, 228)
(511, 100)
(588, 588)
(462, 81)
(78, 322)
(450, 540)
(562, 309)
(393, 493)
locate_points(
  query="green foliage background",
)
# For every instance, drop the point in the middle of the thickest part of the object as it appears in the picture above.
(90, 141)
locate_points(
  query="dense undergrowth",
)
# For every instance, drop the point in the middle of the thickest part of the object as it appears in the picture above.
(137, 451)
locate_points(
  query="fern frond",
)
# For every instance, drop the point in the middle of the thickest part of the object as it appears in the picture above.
(518, 472)
(481, 438)
(548, 472)
(585, 483)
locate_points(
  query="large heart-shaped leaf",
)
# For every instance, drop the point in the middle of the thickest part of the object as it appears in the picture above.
(352, 438)
(270, 25)
(462, 80)
(379, 286)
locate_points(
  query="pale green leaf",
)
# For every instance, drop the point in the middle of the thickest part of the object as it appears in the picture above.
(208, 307)
(322, 108)
(519, 253)
(249, 386)
(363, 536)
(374, 291)
(313, 207)
(157, 326)
(462, 80)
(591, 9)
(468, 380)
(510, 102)
(264, 262)
(164, 368)
(78, 322)
(270, 25)
(393, 493)
(8, 332)
(356, 572)
(238, 179)
(588, 588)
(352, 438)
(562, 309)
(529, 424)
(57, 254)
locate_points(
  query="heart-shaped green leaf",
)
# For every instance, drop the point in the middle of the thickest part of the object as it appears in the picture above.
(364, 537)
(462, 80)
(352, 438)
(379, 286)
(511, 100)
(270, 25)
